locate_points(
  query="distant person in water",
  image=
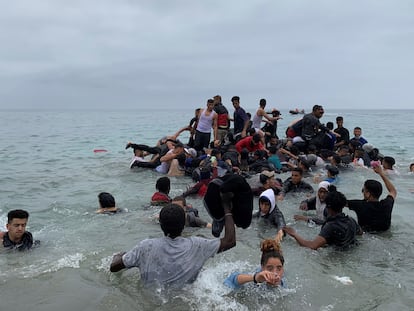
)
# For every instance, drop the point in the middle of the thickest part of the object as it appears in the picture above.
(161, 196)
(107, 204)
(388, 166)
(270, 272)
(17, 237)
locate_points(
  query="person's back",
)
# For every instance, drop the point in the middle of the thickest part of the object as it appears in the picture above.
(340, 231)
(174, 260)
(171, 261)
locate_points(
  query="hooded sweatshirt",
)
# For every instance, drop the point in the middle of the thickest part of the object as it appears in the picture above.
(274, 216)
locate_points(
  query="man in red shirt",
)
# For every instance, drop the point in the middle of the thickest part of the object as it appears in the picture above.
(250, 143)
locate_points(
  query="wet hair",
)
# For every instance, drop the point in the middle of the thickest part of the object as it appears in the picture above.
(271, 249)
(335, 200)
(235, 98)
(343, 147)
(251, 131)
(264, 199)
(181, 159)
(272, 149)
(17, 213)
(180, 198)
(374, 187)
(106, 200)
(262, 103)
(312, 148)
(298, 169)
(163, 184)
(305, 163)
(337, 158)
(215, 152)
(389, 160)
(172, 220)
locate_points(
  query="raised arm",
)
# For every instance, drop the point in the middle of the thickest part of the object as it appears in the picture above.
(392, 191)
(229, 239)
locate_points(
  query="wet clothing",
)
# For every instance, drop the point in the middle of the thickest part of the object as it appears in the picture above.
(240, 117)
(289, 186)
(222, 116)
(247, 143)
(192, 219)
(344, 135)
(340, 230)
(274, 216)
(231, 281)
(160, 197)
(275, 161)
(171, 262)
(25, 243)
(315, 203)
(311, 126)
(373, 216)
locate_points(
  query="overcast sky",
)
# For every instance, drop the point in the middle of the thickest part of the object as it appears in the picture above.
(132, 54)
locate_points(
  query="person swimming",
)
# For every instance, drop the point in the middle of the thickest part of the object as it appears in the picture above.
(271, 271)
(107, 204)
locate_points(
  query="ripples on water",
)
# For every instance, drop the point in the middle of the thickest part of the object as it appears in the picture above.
(49, 168)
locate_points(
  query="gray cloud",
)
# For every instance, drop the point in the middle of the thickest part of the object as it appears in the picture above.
(124, 54)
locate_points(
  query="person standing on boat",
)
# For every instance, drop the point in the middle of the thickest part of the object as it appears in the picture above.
(223, 119)
(240, 118)
(207, 120)
(341, 130)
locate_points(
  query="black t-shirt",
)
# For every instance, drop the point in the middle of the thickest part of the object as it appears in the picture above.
(373, 216)
(340, 231)
(344, 135)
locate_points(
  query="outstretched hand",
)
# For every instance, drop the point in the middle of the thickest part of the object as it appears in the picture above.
(289, 230)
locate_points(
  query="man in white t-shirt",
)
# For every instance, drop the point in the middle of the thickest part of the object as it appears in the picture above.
(174, 260)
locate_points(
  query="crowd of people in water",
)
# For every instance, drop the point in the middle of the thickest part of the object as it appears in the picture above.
(222, 154)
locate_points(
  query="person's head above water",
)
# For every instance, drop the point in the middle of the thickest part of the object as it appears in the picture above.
(106, 200)
(172, 220)
(272, 259)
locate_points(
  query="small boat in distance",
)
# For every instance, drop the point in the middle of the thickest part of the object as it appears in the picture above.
(297, 111)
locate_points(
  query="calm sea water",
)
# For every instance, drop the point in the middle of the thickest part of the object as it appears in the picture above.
(48, 167)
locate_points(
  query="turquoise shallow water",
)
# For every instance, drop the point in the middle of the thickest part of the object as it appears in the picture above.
(49, 168)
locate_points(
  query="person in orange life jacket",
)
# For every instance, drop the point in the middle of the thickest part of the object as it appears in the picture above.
(161, 196)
